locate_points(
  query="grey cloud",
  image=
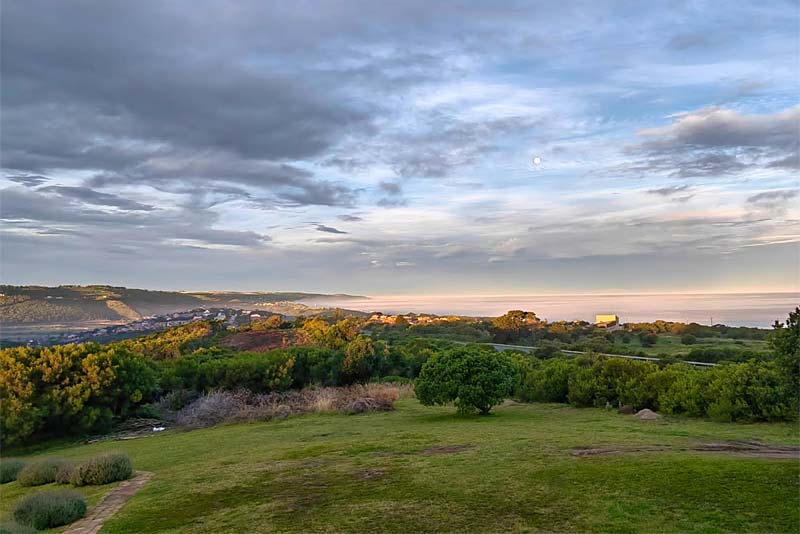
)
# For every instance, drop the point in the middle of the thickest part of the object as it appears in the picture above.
(90, 196)
(28, 180)
(329, 229)
(391, 188)
(668, 191)
(717, 142)
(350, 218)
(50, 210)
(784, 194)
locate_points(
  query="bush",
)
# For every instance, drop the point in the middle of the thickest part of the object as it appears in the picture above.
(16, 528)
(9, 469)
(208, 369)
(688, 339)
(550, 381)
(471, 378)
(77, 388)
(40, 472)
(49, 509)
(102, 469)
(65, 473)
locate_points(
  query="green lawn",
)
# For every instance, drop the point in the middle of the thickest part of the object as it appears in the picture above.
(367, 473)
(671, 345)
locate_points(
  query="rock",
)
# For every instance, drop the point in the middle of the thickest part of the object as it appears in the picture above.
(647, 415)
(627, 409)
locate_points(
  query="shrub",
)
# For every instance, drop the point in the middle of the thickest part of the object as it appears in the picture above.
(16, 528)
(471, 378)
(550, 382)
(9, 469)
(49, 509)
(40, 472)
(65, 473)
(78, 388)
(102, 469)
(688, 339)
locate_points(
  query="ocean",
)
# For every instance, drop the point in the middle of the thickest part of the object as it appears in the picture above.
(734, 309)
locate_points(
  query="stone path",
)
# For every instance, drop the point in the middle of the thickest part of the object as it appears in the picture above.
(110, 505)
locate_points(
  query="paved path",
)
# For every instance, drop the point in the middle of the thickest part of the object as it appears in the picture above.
(110, 505)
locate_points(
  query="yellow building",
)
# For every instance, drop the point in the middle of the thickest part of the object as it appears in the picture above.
(606, 321)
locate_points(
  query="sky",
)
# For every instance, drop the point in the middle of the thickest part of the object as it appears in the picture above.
(387, 148)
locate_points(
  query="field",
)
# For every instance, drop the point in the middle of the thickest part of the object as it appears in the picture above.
(428, 470)
(671, 345)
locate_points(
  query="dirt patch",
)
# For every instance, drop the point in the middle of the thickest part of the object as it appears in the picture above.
(446, 449)
(369, 474)
(265, 341)
(752, 449)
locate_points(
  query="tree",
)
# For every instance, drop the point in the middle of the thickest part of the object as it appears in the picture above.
(647, 340)
(359, 360)
(470, 377)
(688, 339)
(785, 341)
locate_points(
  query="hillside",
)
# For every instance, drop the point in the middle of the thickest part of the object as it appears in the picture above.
(528, 468)
(75, 304)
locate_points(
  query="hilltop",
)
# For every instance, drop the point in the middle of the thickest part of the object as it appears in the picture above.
(28, 305)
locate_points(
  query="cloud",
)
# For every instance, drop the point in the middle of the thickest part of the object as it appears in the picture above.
(669, 191)
(391, 188)
(329, 229)
(90, 196)
(28, 180)
(719, 142)
(350, 218)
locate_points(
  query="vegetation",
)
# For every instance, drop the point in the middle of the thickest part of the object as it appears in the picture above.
(80, 388)
(102, 469)
(425, 469)
(89, 388)
(38, 473)
(50, 509)
(9, 469)
(471, 378)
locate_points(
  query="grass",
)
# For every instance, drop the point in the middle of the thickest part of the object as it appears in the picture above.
(671, 345)
(366, 473)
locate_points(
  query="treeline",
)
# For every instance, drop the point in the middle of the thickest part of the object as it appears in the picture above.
(79, 389)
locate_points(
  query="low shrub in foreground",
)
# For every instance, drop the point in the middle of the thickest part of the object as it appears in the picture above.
(9, 469)
(40, 472)
(65, 473)
(219, 407)
(16, 528)
(102, 469)
(49, 509)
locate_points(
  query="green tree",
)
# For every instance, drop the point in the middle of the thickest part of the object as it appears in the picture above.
(785, 341)
(470, 377)
(688, 339)
(359, 360)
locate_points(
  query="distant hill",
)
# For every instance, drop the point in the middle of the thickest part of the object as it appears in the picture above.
(75, 304)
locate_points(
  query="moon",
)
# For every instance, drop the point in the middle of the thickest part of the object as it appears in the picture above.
(537, 160)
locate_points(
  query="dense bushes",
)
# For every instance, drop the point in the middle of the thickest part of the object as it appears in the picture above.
(470, 377)
(70, 388)
(40, 472)
(102, 469)
(49, 509)
(9, 469)
(173, 342)
(208, 369)
(750, 391)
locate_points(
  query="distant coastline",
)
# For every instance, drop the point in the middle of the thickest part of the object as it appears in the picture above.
(734, 309)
